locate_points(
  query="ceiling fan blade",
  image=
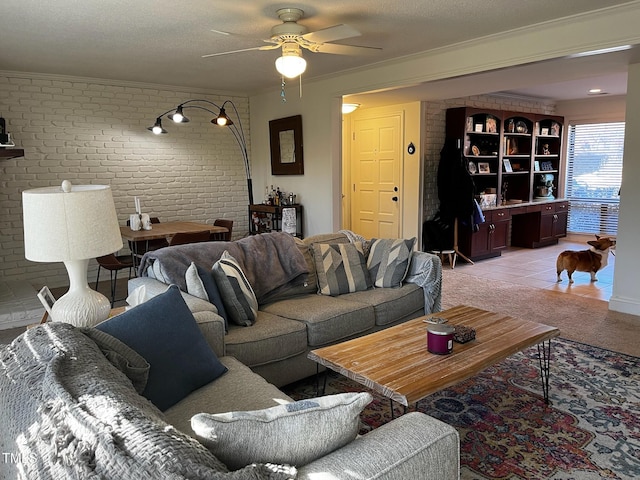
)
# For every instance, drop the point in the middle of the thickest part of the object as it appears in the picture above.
(331, 34)
(337, 49)
(265, 47)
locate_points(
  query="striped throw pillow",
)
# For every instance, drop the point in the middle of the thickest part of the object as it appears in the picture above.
(341, 268)
(237, 295)
(388, 261)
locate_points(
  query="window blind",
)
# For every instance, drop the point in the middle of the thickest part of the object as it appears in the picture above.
(594, 174)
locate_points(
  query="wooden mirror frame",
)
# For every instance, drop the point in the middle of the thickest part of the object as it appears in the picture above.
(282, 125)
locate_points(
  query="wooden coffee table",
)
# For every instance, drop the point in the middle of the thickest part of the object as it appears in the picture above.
(396, 363)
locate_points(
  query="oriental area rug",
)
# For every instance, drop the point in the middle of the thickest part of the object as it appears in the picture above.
(590, 431)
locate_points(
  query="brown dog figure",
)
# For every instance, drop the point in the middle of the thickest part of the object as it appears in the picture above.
(592, 260)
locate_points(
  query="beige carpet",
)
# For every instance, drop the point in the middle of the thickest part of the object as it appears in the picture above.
(578, 318)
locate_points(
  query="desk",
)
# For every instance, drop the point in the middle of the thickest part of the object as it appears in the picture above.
(164, 230)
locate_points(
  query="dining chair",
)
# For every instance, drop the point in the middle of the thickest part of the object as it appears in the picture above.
(225, 237)
(189, 237)
(114, 263)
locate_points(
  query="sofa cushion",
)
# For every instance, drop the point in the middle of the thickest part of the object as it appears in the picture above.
(200, 283)
(392, 304)
(341, 268)
(270, 339)
(238, 389)
(237, 295)
(294, 433)
(328, 319)
(388, 261)
(165, 333)
(331, 237)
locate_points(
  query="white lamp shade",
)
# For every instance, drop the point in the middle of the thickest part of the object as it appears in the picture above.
(291, 65)
(74, 225)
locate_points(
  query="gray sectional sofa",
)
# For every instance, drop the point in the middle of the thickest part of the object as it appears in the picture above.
(71, 407)
(293, 318)
(86, 402)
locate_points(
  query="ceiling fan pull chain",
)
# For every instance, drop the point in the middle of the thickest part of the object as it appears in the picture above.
(282, 93)
(300, 77)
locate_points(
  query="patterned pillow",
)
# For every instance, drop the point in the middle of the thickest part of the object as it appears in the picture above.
(294, 433)
(341, 268)
(237, 295)
(388, 261)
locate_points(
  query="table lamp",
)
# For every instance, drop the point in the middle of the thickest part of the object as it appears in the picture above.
(72, 224)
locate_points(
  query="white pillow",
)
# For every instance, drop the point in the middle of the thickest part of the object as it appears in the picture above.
(195, 286)
(294, 433)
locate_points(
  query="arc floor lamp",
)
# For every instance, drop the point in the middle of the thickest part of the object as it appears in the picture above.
(221, 119)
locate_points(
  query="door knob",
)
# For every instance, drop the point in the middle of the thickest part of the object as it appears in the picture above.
(395, 199)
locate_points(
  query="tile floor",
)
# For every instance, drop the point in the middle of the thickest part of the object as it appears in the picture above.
(537, 268)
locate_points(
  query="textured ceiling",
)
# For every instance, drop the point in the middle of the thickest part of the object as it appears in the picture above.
(162, 41)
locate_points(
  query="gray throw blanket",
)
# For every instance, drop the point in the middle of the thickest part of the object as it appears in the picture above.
(269, 261)
(425, 270)
(69, 410)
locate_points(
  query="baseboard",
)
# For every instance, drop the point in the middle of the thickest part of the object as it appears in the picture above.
(624, 305)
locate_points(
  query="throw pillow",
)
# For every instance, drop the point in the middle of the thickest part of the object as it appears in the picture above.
(164, 332)
(237, 295)
(294, 433)
(388, 261)
(341, 268)
(200, 283)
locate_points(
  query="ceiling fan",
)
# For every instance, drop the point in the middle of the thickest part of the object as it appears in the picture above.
(291, 37)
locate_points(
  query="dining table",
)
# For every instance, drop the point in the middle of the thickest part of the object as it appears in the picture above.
(139, 238)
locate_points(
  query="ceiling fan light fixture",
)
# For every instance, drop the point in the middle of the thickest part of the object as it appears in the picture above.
(349, 107)
(178, 116)
(291, 64)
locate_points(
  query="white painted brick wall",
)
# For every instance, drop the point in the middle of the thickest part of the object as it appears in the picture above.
(95, 132)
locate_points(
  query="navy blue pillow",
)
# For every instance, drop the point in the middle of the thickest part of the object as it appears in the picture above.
(165, 333)
(211, 287)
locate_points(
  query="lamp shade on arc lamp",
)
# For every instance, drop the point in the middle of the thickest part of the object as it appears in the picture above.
(72, 224)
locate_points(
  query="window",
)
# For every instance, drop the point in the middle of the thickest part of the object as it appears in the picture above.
(594, 174)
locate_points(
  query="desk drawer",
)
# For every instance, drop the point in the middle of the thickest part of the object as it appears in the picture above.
(498, 215)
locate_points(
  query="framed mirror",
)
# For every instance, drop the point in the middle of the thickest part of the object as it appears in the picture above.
(285, 135)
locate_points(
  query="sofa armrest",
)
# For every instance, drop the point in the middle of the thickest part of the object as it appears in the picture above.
(412, 446)
(425, 270)
(212, 327)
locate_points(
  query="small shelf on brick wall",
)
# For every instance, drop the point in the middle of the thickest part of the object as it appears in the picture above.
(11, 152)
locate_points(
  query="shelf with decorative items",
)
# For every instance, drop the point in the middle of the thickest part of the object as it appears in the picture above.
(276, 218)
(547, 157)
(515, 162)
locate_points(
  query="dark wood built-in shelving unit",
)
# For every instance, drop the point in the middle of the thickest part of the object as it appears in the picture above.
(515, 162)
